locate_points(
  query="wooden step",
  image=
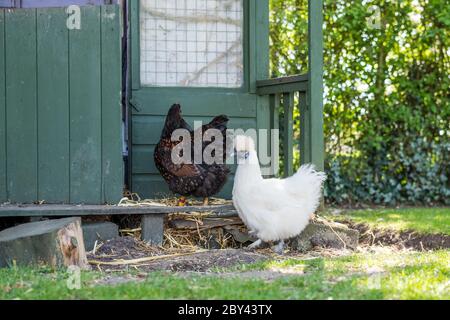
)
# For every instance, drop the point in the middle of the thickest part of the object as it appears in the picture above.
(52, 210)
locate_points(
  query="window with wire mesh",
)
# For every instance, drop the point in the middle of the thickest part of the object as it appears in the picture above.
(191, 43)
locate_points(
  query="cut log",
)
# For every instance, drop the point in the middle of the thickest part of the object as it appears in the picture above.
(55, 243)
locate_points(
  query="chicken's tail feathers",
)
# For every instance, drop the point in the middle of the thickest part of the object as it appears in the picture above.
(219, 122)
(307, 183)
(308, 175)
(309, 170)
(222, 118)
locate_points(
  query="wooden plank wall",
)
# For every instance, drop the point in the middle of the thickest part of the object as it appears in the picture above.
(53, 115)
(60, 112)
(3, 194)
(21, 106)
(85, 108)
(112, 177)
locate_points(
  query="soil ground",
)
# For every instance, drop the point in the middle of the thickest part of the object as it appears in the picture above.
(402, 239)
(125, 250)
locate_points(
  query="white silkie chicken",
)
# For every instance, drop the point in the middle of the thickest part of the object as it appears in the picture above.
(273, 209)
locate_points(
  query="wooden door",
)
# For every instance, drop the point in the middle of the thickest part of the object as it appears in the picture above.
(205, 55)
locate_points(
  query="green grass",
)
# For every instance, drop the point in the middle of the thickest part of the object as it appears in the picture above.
(424, 220)
(372, 275)
(359, 276)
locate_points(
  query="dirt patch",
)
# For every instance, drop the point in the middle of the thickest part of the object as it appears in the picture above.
(405, 239)
(207, 261)
(128, 252)
(125, 248)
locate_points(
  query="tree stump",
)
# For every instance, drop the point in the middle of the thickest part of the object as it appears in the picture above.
(56, 243)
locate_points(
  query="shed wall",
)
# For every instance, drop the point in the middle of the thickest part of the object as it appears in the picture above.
(60, 106)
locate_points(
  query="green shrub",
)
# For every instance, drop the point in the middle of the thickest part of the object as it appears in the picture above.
(387, 98)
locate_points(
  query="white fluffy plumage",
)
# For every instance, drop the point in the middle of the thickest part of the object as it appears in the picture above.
(273, 209)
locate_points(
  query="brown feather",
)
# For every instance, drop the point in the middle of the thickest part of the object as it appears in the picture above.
(201, 180)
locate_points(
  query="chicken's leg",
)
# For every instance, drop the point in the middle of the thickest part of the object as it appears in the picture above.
(206, 201)
(279, 248)
(255, 244)
(181, 201)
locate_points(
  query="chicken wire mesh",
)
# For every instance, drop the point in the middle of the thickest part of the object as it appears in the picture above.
(193, 43)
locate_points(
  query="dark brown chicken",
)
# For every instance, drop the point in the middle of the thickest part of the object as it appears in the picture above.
(199, 180)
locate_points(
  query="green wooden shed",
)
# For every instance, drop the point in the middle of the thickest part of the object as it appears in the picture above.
(82, 102)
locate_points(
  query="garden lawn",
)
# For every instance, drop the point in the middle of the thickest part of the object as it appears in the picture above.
(423, 220)
(378, 273)
(382, 275)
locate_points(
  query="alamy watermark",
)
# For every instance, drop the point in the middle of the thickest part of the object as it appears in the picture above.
(73, 281)
(73, 21)
(213, 147)
(374, 20)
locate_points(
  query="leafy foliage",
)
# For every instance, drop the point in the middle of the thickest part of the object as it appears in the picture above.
(387, 108)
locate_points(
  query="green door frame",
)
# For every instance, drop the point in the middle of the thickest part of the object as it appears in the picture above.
(310, 89)
(315, 143)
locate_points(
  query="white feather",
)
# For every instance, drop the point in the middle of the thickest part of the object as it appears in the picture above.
(274, 209)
